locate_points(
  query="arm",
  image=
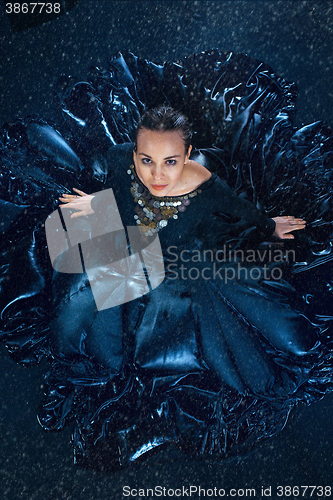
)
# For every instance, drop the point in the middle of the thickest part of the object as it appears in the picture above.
(280, 227)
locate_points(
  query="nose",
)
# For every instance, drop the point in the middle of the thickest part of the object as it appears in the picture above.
(157, 172)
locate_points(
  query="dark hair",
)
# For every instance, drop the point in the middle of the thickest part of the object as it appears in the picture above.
(164, 119)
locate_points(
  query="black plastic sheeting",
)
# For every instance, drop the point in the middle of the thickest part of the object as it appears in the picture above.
(242, 115)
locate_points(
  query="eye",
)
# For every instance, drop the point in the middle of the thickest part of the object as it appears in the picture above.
(146, 161)
(171, 162)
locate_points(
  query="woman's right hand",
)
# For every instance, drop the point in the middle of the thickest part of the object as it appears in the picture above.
(80, 202)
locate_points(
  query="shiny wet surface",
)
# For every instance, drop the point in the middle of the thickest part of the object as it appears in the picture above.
(37, 465)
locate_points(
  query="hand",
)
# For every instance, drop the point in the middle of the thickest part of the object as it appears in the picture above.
(81, 202)
(285, 225)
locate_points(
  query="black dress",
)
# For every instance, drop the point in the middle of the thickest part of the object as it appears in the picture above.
(237, 330)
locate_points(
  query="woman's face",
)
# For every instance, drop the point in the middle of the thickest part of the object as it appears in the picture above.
(159, 161)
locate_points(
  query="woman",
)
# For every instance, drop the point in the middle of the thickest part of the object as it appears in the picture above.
(213, 358)
(216, 329)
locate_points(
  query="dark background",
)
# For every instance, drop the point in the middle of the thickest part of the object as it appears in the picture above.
(296, 39)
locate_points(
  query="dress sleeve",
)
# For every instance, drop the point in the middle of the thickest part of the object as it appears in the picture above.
(118, 158)
(228, 202)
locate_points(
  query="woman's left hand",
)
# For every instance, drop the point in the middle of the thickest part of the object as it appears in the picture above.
(286, 224)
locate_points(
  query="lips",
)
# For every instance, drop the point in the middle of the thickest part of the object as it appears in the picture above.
(158, 187)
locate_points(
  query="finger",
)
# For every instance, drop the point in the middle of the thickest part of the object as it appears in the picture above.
(70, 204)
(294, 220)
(81, 193)
(69, 200)
(291, 217)
(66, 200)
(288, 237)
(77, 214)
(298, 225)
(292, 229)
(68, 195)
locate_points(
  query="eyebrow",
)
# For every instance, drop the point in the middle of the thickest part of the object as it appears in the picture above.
(167, 158)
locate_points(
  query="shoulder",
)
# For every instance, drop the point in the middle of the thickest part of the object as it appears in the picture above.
(195, 174)
(120, 153)
(118, 159)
